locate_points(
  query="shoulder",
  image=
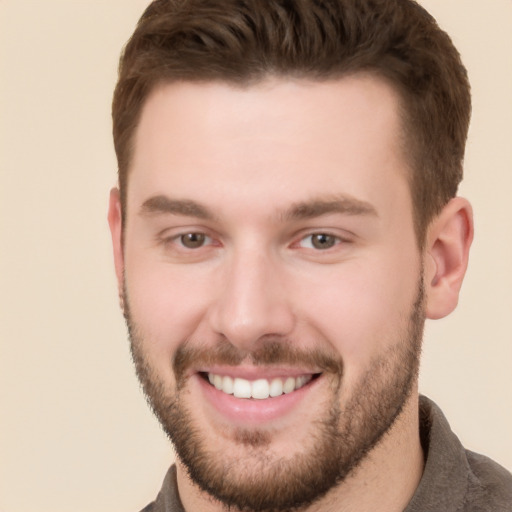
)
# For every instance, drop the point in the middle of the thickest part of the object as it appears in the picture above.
(168, 499)
(489, 485)
(456, 479)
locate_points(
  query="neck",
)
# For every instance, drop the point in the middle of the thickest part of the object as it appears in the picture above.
(385, 480)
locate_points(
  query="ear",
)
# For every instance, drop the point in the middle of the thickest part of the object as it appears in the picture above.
(115, 221)
(448, 241)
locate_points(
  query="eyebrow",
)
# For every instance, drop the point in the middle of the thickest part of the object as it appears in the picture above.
(316, 207)
(163, 204)
(335, 204)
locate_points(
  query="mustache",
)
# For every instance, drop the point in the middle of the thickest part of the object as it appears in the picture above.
(271, 352)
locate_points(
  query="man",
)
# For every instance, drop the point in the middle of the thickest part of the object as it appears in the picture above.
(285, 222)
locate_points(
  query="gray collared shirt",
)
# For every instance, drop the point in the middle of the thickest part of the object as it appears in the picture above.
(454, 479)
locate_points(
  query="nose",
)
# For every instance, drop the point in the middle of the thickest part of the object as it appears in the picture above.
(252, 302)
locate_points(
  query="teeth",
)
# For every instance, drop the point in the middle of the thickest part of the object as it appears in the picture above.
(217, 381)
(276, 387)
(259, 389)
(241, 388)
(228, 385)
(289, 385)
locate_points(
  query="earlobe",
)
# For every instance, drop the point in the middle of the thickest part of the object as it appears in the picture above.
(448, 242)
(115, 221)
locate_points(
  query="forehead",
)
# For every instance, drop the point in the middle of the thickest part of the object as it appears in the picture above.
(277, 138)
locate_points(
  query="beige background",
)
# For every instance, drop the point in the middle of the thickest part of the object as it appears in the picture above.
(75, 433)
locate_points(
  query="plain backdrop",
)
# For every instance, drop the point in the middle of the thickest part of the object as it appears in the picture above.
(75, 432)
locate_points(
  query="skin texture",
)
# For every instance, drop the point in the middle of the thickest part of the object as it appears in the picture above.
(255, 175)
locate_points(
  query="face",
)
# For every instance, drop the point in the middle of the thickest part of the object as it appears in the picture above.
(272, 280)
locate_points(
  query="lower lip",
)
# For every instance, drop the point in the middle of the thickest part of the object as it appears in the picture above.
(250, 411)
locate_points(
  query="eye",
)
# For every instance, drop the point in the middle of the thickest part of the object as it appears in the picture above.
(193, 240)
(319, 241)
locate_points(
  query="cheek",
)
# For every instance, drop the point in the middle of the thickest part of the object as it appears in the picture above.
(363, 308)
(166, 304)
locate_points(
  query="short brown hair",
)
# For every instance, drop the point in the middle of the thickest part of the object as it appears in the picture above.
(244, 41)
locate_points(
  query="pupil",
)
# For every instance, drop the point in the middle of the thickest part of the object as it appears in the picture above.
(193, 240)
(323, 241)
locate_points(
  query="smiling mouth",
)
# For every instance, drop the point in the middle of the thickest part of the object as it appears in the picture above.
(260, 389)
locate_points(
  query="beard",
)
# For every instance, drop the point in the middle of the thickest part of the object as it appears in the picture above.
(338, 441)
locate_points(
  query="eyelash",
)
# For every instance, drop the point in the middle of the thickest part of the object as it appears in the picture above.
(205, 240)
(336, 240)
(179, 240)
